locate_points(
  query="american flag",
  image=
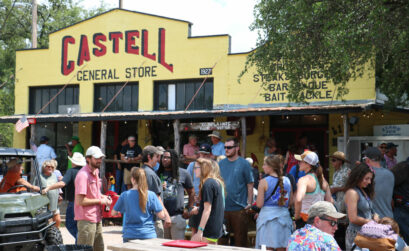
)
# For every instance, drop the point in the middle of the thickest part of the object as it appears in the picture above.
(21, 124)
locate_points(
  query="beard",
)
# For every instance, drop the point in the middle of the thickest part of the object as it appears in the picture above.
(231, 153)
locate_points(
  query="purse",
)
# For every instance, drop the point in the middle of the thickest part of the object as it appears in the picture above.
(257, 209)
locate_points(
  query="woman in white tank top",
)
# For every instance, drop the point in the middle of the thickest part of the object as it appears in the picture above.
(311, 188)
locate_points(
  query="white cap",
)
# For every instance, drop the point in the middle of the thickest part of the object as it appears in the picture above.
(308, 157)
(95, 152)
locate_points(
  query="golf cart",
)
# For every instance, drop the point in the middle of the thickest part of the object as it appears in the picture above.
(24, 216)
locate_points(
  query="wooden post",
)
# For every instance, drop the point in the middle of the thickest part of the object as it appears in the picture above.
(176, 124)
(103, 148)
(346, 134)
(244, 136)
(34, 24)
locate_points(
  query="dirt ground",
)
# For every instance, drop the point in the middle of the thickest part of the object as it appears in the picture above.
(112, 235)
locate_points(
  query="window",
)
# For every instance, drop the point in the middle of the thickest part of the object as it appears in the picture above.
(127, 99)
(39, 96)
(176, 95)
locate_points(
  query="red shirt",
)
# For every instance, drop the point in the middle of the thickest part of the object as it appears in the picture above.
(87, 183)
(10, 180)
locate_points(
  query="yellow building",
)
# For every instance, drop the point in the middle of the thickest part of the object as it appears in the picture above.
(154, 67)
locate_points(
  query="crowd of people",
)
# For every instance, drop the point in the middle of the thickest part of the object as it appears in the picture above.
(294, 206)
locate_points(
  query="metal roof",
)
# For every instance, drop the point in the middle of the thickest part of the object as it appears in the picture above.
(16, 152)
(240, 112)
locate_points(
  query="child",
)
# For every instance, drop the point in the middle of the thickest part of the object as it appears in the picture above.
(400, 243)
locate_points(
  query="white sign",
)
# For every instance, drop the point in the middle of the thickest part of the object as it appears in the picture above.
(391, 130)
(209, 126)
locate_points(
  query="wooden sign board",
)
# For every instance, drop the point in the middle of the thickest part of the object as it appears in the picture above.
(209, 126)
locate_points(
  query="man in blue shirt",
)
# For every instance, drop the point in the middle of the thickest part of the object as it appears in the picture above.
(218, 146)
(44, 151)
(238, 178)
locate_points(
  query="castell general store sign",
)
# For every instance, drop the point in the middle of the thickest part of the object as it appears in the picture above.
(134, 42)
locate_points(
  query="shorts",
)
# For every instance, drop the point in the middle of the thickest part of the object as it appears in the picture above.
(127, 177)
(56, 211)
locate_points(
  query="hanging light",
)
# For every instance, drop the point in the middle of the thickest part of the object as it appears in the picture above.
(125, 122)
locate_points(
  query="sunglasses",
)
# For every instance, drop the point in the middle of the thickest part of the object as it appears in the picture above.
(331, 222)
(334, 160)
(166, 157)
(229, 147)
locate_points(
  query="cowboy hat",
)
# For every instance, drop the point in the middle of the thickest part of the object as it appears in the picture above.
(215, 134)
(77, 159)
(338, 155)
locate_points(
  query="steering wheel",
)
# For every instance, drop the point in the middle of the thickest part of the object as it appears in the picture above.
(17, 186)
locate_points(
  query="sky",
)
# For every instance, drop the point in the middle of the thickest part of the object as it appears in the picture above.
(209, 17)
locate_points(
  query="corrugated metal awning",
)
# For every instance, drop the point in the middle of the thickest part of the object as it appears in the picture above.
(108, 116)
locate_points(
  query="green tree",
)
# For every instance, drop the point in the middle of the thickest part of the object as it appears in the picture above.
(15, 33)
(341, 38)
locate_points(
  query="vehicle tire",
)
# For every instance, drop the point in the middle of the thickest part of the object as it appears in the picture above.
(53, 236)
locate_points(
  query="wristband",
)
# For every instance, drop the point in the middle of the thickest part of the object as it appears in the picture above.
(200, 228)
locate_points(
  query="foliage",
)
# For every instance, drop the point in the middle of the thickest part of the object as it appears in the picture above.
(341, 38)
(15, 33)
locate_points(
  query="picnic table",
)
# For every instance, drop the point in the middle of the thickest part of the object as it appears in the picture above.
(156, 245)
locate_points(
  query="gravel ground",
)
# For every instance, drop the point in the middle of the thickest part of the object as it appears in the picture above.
(112, 235)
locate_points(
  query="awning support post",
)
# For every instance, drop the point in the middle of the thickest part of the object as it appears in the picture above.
(176, 124)
(244, 136)
(346, 134)
(103, 148)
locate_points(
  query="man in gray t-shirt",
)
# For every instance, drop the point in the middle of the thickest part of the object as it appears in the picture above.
(384, 183)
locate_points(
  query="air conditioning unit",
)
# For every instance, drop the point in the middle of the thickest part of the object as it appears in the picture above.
(69, 109)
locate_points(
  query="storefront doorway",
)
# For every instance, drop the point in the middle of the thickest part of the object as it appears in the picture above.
(288, 131)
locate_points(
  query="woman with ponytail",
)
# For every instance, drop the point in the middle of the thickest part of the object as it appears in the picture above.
(211, 195)
(274, 197)
(311, 188)
(137, 206)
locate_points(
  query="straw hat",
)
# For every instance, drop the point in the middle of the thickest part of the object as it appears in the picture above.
(339, 155)
(77, 159)
(215, 134)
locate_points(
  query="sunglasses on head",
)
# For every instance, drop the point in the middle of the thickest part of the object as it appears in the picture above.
(333, 223)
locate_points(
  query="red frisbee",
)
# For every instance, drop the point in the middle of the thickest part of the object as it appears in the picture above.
(184, 244)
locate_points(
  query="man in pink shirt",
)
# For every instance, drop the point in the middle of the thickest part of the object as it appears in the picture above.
(88, 201)
(190, 149)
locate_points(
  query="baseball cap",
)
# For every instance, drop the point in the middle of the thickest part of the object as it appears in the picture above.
(95, 152)
(150, 150)
(44, 138)
(160, 149)
(390, 145)
(308, 157)
(373, 153)
(324, 208)
(204, 148)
